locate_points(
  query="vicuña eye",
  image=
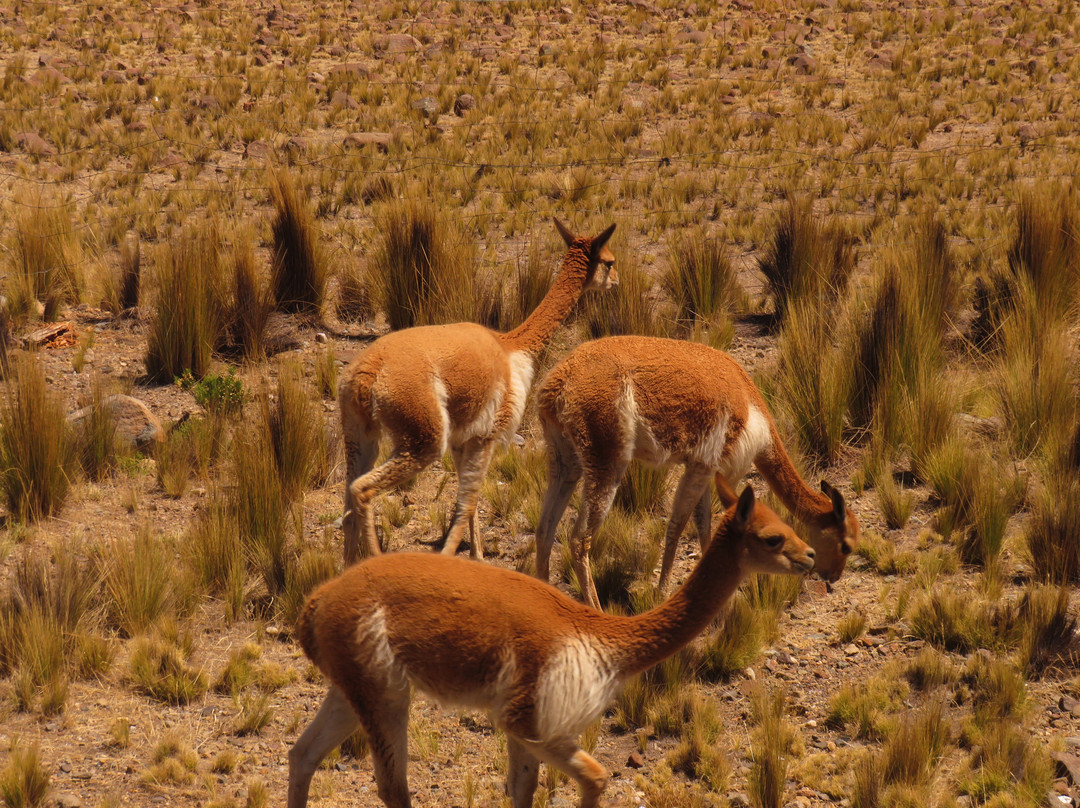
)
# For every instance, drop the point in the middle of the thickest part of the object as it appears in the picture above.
(773, 542)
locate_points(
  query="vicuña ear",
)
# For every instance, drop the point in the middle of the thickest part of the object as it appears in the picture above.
(599, 242)
(745, 505)
(839, 509)
(567, 236)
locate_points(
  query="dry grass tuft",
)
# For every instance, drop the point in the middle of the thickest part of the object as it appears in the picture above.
(24, 782)
(701, 281)
(422, 274)
(46, 261)
(773, 743)
(35, 452)
(805, 260)
(299, 271)
(187, 320)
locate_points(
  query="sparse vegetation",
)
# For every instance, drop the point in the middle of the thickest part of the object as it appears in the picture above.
(893, 202)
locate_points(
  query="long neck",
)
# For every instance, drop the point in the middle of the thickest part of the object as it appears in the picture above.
(658, 633)
(775, 465)
(533, 334)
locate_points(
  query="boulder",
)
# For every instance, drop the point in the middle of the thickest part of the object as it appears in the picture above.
(135, 424)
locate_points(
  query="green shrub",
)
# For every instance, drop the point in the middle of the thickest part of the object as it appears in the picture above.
(217, 393)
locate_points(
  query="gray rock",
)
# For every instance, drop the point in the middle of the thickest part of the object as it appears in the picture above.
(67, 801)
(135, 423)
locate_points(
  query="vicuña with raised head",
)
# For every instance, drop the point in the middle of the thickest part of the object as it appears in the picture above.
(666, 401)
(541, 664)
(459, 386)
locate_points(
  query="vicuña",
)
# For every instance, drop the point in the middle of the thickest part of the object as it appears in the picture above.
(459, 386)
(668, 401)
(542, 665)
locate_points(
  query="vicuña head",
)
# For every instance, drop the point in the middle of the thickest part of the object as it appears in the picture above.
(541, 664)
(666, 401)
(460, 387)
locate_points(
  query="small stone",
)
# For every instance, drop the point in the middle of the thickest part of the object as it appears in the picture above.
(320, 338)
(635, 761)
(463, 104)
(749, 674)
(67, 801)
(35, 144)
(428, 105)
(343, 100)
(850, 649)
(1067, 704)
(380, 140)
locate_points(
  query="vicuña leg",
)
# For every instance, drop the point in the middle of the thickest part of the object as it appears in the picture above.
(694, 482)
(404, 464)
(471, 461)
(361, 450)
(564, 471)
(522, 773)
(335, 721)
(596, 501)
(703, 518)
(577, 764)
(388, 734)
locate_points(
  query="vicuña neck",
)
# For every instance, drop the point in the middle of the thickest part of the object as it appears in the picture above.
(658, 633)
(535, 333)
(808, 505)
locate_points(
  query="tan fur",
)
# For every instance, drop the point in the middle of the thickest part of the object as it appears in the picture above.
(541, 664)
(460, 387)
(667, 401)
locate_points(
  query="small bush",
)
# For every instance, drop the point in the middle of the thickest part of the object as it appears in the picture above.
(263, 513)
(35, 452)
(217, 393)
(293, 421)
(930, 669)
(851, 627)
(1046, 631)
(1053, 532)
(130, 274)
(255, 714)
(299, 271)
(326, 373)
(735, 643)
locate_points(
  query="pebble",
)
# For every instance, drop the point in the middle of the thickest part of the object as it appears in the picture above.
(850, 649)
